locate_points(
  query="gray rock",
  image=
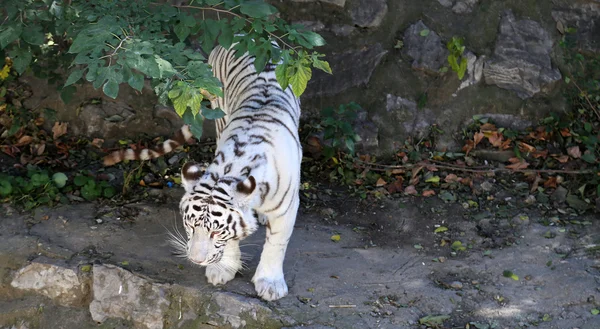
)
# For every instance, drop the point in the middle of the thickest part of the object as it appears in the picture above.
(233, 309)
(428, 52)
(350, 69)
(60, 283)
(368, 132)
(415, 121)
(474, 70)
(457, 285)
(342, 30)
(339, 3)
(521, 60)
(585, 18)
(314, 26)
(316, 326)
(464, 6)
(559, 195)
(369, 13)
(445, 3)
(120, 294)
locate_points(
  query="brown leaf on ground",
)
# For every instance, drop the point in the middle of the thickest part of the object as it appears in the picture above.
(469, 146)
(39, 121)
(97, 142)
(451, 178)
(398, 171)
(477, 138)
(396, 186)
(24, 140)
(574, 152)
(565, 132)
(540, 154)
(380, 182)
(37, 149)
(59, 129)
(414, 180)
(495, 139)
(518, 164)
(410, 190)
(526, 148)
(536, 183)
(428, 193)
(506, 144)
(488, 127)
(551, 182)
(432, 168)
(562, 158)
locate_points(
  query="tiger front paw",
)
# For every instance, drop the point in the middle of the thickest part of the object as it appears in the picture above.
(217, 275)
(270, 288)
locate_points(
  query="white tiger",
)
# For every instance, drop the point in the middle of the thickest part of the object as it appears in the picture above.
(255, 175)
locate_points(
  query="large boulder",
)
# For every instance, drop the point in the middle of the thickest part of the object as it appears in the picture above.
(521, 59)
(59, 283)
(120, 294)
(351, 68)
(425, 47)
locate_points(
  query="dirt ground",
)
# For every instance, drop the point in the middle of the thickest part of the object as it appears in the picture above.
(390, 269)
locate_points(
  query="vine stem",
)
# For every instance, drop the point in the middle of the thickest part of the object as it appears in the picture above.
(225, 11)
(383, 167)
(586, 97)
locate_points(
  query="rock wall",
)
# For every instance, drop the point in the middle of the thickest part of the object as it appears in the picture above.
(390, 56)
(386, 55)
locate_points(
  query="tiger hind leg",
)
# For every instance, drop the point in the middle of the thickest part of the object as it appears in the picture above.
(225, 270)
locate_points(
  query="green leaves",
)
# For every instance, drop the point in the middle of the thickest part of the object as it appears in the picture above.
(299, 79)
(257, 9)
(59, 179)
(9, 34)
(457, 62)
(110, 43)
(74, 77)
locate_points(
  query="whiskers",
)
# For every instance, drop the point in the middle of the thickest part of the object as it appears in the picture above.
(177, 240)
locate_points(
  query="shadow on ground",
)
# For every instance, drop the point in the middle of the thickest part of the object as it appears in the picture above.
(94, 266)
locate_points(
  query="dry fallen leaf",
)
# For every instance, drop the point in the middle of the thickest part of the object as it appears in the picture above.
(561, 158)
(396, 186)
(495, 139)
(97, 142)
(380, 182)
(526, 148)
(451, 178)
(477, 138)
(551, 182)
(59, 129)
(428, 193)
(574, 152)
(536, 183)
(37, 149)
(517, 165)
(488, 127)
(565, 132)
(469, 146)
(24, 140)
(410, 190)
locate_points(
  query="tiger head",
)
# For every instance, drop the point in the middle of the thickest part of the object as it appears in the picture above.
(214, 212)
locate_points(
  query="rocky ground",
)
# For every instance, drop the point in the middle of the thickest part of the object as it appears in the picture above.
(98, 266)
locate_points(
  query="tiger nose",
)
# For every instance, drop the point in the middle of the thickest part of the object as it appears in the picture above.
(198, 259)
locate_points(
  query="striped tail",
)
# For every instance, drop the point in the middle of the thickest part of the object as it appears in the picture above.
(182, 136)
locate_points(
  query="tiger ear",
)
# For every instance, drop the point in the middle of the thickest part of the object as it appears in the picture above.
(247, 186)
(190, 175)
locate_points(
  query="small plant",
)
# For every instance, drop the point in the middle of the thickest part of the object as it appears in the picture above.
(38, 187)
(337, 128)
(457, 61)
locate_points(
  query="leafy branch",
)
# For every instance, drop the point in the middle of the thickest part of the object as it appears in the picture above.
(109, 43)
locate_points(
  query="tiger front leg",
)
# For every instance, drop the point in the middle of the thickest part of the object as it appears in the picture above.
(268, 279)
(224, 271)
